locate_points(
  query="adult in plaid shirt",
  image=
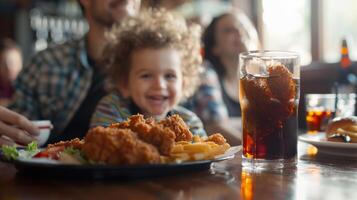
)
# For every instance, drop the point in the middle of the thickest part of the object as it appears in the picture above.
(64, 82)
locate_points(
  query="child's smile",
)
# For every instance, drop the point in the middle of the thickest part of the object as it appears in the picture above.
(157, 99)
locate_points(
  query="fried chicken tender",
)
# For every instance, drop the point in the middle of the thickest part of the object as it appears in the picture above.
(217, 138)
(133, 121)
(120, 125)
(153, 133)
(118, 147)
(74, 143)
(139, 125)
(178, 126)
(161, 137)
(162, 134)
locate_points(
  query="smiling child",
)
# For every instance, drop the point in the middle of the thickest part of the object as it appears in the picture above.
(153, 62)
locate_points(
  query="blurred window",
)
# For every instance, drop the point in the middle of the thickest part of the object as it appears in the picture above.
(339, 21)
(286, 26)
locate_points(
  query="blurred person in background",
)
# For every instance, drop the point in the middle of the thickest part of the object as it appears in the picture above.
(216, 101)
(227, 36)
(10, 66)
(64, 82)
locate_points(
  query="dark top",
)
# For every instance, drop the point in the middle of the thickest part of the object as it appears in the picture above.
(6, 90)
(233, 106)
(79, 124)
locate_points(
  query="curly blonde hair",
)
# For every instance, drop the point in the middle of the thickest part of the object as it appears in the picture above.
(153, 29)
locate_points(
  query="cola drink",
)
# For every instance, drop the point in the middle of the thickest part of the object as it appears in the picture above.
(269, 100)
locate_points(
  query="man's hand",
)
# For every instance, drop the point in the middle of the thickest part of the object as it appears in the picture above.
(15, 128)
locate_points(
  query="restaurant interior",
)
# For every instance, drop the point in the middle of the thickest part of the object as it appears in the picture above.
(34, 24)
(323, 33)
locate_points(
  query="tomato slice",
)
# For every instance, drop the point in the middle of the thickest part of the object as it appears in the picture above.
(51, 153)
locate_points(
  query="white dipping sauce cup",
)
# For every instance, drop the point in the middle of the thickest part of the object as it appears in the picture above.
(45, 127)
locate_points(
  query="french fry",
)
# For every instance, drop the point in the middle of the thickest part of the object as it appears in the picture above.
(196, 148)
(177, 148)
(182, 142)
(196, 139)
(210, 143)
(181, 157)
(165, 159)
(199, 156)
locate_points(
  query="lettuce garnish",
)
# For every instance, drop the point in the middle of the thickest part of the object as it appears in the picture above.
(9, 152)
(32, 147)
(12, 153)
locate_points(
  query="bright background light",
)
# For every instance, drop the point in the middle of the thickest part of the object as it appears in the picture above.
(286, 26)
(339, 21)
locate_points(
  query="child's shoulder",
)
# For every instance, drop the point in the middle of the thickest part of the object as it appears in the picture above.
(115, 102)
(112, 108)
(113, 98)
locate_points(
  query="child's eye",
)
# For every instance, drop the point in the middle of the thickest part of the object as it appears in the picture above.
(145, 76)
(170, 76)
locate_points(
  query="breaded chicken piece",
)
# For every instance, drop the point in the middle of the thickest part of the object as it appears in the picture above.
(217, 138)
(162, 134)
(178, 126)
(161, 137)
(138, 124)
(74, 143)
(118, 147)
(155, 134)
(120, 125)
(132, 121)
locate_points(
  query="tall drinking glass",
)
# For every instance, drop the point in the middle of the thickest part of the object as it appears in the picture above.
(269, 90)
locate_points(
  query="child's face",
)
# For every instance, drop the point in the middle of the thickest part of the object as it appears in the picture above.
(155, 80)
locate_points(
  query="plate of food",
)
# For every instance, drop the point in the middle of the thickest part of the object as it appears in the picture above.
(340, 138)
(135, 148)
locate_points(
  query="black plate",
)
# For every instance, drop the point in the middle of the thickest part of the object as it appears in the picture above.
(113, 172)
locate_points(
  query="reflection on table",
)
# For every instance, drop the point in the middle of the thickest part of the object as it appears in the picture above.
(316, 176)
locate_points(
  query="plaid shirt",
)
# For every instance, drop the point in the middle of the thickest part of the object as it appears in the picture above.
(207, 101)
(54, 84)
(114, 108)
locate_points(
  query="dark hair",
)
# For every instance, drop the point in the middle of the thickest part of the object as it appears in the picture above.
(6, 44)
(248, 37)
(209, 41)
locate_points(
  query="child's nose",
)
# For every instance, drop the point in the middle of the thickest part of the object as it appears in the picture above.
(160, 82)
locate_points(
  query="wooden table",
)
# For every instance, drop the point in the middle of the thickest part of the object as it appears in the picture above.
(315, 177)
